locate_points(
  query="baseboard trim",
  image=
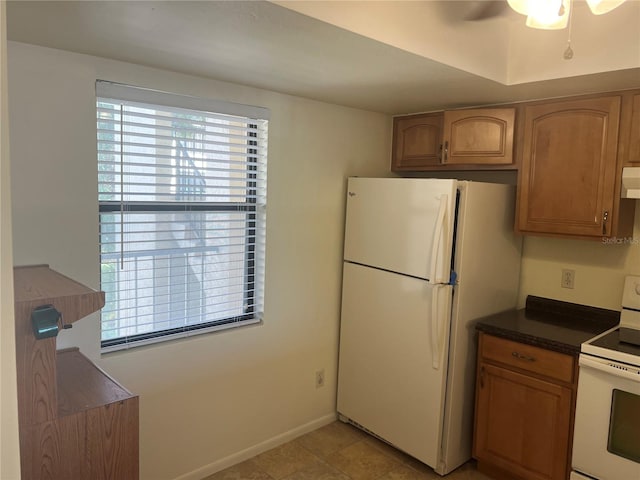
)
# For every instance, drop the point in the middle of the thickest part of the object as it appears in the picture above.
(257, 449)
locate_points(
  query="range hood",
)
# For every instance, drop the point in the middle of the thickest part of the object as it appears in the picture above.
(630, 182)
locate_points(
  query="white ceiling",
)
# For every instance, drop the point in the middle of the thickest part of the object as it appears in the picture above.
(386, 56)
(500, 48)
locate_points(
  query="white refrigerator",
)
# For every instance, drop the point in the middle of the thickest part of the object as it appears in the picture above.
(423, 258)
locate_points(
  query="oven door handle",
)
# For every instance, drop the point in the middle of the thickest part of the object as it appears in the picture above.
(611, 368)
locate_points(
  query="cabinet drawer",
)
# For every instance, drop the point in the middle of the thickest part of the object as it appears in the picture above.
(527, 357)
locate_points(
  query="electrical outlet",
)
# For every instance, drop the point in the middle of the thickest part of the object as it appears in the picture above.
(568, 277)
(320, 378)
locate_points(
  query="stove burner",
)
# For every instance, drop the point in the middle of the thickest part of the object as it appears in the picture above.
(630, 335)
(614, 345)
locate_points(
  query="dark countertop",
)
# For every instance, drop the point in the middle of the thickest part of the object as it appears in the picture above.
(550, 324)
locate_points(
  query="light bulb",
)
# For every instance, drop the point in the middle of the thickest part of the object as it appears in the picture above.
(598, 7)
(549, 14)
(520, 6)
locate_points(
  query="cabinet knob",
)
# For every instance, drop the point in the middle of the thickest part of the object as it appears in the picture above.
(446, 150)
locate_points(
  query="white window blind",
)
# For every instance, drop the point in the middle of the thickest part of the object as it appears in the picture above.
(182, 198)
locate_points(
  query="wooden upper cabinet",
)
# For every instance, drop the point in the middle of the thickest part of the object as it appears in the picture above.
(478, 136)
(568, 173)
(633, 155)
(417, 142)
(473, 139)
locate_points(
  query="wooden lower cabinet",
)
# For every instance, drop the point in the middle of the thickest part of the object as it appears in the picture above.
(99, 443)
(94, 434)
(524, 419)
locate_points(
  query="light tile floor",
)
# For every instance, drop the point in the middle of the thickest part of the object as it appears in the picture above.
(338, 452)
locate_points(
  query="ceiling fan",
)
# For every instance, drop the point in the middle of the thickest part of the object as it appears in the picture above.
(542, 14)
(484, 10)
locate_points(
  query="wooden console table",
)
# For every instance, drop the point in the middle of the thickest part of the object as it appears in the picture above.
(75, 421)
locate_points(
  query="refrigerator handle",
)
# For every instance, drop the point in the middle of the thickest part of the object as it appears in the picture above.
(435, 330)
(437, 237)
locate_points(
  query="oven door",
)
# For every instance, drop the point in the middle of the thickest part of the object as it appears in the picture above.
(576, 476)
(606, 443)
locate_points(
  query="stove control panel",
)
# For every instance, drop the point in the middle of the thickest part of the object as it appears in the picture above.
(631, 293)
(630, 315)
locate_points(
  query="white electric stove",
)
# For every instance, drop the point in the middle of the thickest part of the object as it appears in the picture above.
(606, 444)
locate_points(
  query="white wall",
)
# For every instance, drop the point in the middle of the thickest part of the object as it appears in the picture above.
(9, 450)
(207, 399)
(600, 268)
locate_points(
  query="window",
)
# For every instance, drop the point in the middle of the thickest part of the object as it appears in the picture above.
(182, 198)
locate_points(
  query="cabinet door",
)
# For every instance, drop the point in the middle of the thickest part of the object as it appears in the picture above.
(569, 167)
(417, 142)
(479, 136)
(112, 441)
(633, 156)
(522, 424)
(55, 449)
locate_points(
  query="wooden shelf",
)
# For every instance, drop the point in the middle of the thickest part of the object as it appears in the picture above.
(35, 286)
(39, 285)
(82, 385)
(75, 421)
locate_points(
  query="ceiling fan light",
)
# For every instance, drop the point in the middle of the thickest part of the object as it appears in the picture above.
(598, 7)
(557, 25)
(520, 6)
(549, 14)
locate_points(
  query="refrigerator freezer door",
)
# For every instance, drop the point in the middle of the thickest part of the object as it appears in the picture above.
(403, 225)
(393, 358)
